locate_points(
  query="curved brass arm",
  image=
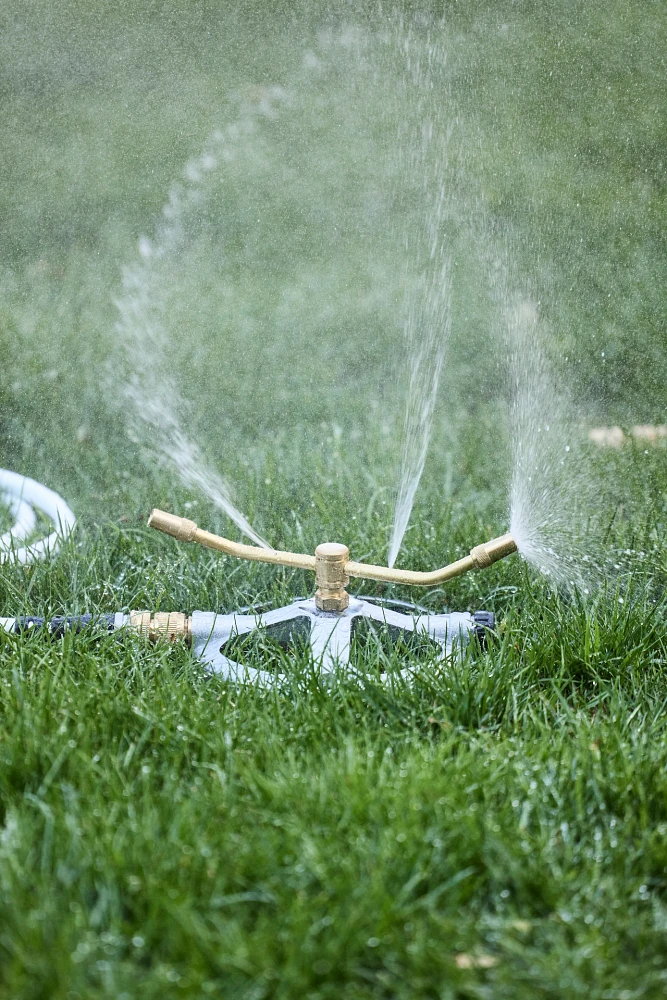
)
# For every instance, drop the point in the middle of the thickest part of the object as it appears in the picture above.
(480, 557)
(187, 531)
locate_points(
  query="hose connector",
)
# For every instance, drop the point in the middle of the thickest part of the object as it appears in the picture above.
(163, 625)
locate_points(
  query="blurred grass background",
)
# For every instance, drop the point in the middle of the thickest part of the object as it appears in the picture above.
(498, 828)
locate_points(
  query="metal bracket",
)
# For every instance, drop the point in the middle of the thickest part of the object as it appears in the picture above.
(330, 635)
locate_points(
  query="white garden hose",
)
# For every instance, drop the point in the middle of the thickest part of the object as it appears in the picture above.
(24, 496)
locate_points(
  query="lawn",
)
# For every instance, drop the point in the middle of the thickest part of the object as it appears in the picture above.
(497, 827)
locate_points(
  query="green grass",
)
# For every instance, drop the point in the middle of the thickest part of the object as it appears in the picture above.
(496, 828)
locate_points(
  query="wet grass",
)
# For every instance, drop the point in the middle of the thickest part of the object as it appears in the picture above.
(497, 827)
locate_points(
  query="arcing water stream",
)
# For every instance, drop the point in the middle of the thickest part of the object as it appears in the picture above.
(410, 68)
(156, 407)
(427, 323)
(553, 497)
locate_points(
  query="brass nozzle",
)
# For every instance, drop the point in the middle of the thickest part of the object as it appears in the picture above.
(178, 527)
(489, 552)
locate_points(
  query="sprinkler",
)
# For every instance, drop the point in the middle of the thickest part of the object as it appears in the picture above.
(328, 620)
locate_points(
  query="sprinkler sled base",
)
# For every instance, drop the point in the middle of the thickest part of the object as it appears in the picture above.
(328, 635)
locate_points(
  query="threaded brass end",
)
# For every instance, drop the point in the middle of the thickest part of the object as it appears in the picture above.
(489, 552)
(480, 556)
(140, 621)
(177, 527)
(169, 626)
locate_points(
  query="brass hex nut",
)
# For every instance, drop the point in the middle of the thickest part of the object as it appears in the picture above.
(331, 559)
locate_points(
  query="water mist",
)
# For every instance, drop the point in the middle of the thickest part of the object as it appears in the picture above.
(156, 406)
(556, 508)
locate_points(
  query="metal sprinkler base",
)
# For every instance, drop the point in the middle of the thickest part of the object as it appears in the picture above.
(325, 623)
(327, 634)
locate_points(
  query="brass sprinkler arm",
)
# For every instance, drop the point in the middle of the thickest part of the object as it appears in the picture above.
(331, 562)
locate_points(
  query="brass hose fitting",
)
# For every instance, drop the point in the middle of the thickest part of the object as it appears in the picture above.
(170, 625)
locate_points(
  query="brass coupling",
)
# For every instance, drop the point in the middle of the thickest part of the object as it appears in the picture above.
(163, 625)
(489, 552)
